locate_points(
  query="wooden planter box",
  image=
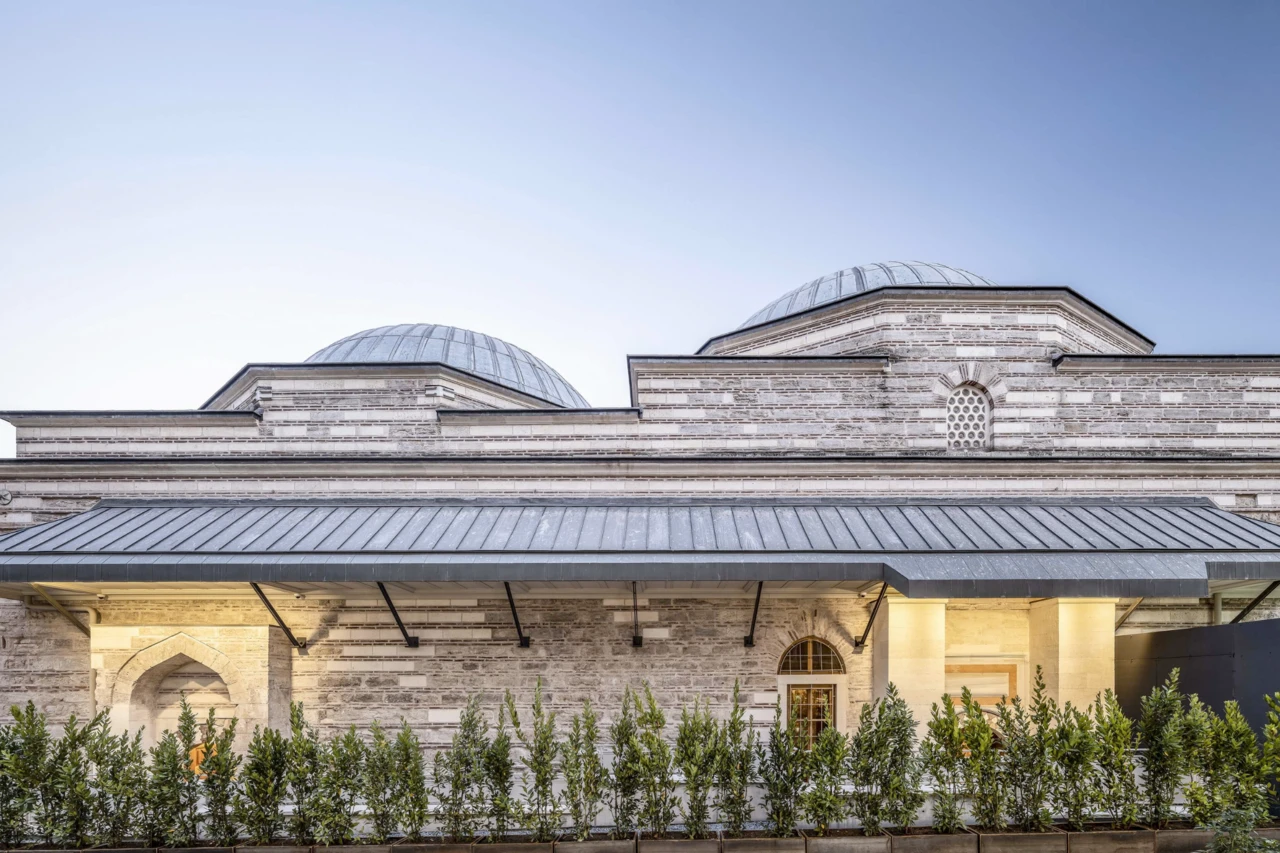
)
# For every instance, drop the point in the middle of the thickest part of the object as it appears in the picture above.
(934, 842)
(511, 847)
(1107, 840)
(597, 845)
(1022, 842)
(433, 847)
(846, 841)
(270, 848)
(759, 842)
(209, 849)
(1271, 833)
(678, 845)
(1182, 840)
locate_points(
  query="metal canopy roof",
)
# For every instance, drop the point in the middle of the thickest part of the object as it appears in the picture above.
(1000, 547)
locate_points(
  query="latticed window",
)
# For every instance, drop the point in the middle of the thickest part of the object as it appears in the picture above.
(968, 418)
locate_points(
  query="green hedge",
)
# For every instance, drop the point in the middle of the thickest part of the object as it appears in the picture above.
(1026, 765)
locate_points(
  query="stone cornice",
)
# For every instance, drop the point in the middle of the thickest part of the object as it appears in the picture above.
(1164, 363)
(461, 417)
(149, 417)
(656, 467)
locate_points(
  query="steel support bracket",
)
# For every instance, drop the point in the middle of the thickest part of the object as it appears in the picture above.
(1271, 587)
(57, 605)
(293, 641)
(637, 639)
(875, 608)
(411, 642)
(515, 617)
(750, 639)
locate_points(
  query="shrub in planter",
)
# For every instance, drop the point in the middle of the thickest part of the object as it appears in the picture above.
(409, 772)
(583, 771)
(735, 768)
(499, 781)
(303, 776)
(983, 777)
(624, 768)
(1116, 767)
(376, 784)
(73, 806)
(458, 776)
(656, 766)
(1198, 722)
(696, 756)
(540, 804)
(900, 787)
(943, 758)
(1029, 769)
(825, 802)
(162, 796)
(264, 784)
(13, 799)
(119, 775)
(784, 768)
(1163, 758)
(1239, 778)
(1075, 752)
(884, 765)
(1233, 833)
(1271, 747)
(342, 762)
(186, 826)
(218, 770)
(30, 766)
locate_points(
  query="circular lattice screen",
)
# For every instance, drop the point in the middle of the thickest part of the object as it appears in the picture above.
(968, 419)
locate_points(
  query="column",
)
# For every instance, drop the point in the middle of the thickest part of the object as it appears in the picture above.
(909, 650)
(1073, 640)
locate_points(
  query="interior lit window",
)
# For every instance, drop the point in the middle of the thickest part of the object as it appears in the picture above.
(811, 705)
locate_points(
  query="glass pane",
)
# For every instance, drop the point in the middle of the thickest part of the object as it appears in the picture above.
(810, 708)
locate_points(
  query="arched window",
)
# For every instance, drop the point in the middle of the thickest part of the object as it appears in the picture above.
(811, 702)
(968, 418)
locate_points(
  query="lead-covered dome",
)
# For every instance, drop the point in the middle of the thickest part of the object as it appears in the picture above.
(857, 280)
(487, 357)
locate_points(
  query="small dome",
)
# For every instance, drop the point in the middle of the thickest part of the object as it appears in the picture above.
(486, 357)
(856, 280)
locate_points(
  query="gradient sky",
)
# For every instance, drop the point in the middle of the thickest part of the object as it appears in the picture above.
(187, 187)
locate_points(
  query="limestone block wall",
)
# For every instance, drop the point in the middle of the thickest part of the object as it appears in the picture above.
(46, 660)
(356, 669)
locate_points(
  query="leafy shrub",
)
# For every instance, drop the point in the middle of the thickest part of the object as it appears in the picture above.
(412, 805)
(499, 781)
(119, 775)
(458, 776)
(1198, 722)
(1117, 762)
(1233, 833)
(162, 796)
(1163, 758)
(342, 762)
(185, 831)
(1271, 747)
(735, 768)
(696, 756)
(219, 768)
(303, 776)
(885, 768)
(583, 771)
(1076, 752)
(1029, 769)
(825, 802)
(30, 766)
(13, 797)
(624, 769)
(264, 784)
(784, 767)
(541, 804)
(73, 804)
(983, 778)
(656, 764)
(376, 784)
(943, 757)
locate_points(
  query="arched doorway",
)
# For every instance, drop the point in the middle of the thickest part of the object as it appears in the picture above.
(157, 695)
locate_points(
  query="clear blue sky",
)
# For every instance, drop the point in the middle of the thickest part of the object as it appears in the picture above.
(186, 187)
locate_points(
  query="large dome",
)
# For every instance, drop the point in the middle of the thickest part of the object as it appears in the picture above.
(856, 280)
(487, 357)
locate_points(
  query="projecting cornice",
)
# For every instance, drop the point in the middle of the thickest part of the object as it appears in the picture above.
(753, 364)
(150, 417)
(1165, 363)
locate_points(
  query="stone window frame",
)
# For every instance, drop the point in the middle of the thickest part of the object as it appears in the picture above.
(986, 378)
(970, 419)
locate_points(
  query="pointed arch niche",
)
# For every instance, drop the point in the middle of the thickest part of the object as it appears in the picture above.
(142, 674)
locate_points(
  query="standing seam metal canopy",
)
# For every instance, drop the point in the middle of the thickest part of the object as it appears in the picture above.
(856, 280)
(488, 357)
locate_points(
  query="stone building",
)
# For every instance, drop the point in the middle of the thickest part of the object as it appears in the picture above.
(900, 472)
